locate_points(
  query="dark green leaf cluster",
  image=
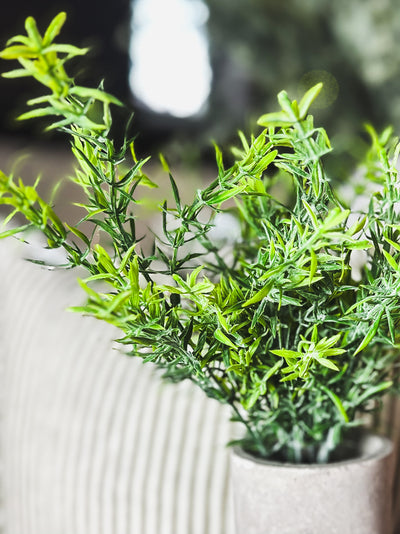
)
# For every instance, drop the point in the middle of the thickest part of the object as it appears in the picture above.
(279, 327)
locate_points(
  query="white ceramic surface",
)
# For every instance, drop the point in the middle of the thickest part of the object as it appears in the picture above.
(348, 497)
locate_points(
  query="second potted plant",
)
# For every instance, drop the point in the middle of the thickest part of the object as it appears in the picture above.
(283, 327)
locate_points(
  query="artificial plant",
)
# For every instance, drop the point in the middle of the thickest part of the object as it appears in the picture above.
(279, 328)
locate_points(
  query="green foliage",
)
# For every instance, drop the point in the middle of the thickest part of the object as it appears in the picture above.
(280, 328)
(40, 58)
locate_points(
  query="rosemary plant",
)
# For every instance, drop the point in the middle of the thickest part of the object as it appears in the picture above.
(280, 328)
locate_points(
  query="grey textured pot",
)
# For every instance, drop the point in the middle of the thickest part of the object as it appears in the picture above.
(347, 497)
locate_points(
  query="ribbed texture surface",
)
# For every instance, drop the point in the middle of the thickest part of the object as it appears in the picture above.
(93, 442)
(388, 423)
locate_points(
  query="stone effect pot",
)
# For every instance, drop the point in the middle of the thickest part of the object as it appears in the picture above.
(346, 497)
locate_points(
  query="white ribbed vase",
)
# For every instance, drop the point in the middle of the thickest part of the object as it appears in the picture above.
(347, 497)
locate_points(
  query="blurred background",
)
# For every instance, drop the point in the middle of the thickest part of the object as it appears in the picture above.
(197, 70)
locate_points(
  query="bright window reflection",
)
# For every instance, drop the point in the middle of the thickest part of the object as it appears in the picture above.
(170, 70)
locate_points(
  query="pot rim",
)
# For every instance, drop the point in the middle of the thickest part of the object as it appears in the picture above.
(381, 447)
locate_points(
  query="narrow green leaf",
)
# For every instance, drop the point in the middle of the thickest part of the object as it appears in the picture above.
(179, 280)
(222, 196)
(358, 245)
(20, 39)
(272, 371)
(16, 73)
(327, 363)
(334, 352)
(18, 52)
(54, 28)
(91, 292)
(118, 301)
(71, 50)
(79, 234)
(357, 226)
(219, 159)
(308, 99)
(290, 377)
(126, 258)
(258, 313)
(371, 333)
(289, 107)
(164, 163)
(326, 343)
(39, 112)
(314, 336)
(134, 282)
(146, 182)
(192, 278)
(32, 31)
(286, 353)
(103, 276)
(391, 325)
(311, 213)
(220, 336)
(222, 320)
(391, 261)
(396, 246)
(374, 390)
(15, 231)
(243, 140)
(262, 293)
(279, 119)
(335, 218)
(97, 94)
(337, 402)
(175, 192)
(265, 161)
(313, 267)
(42, 100)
